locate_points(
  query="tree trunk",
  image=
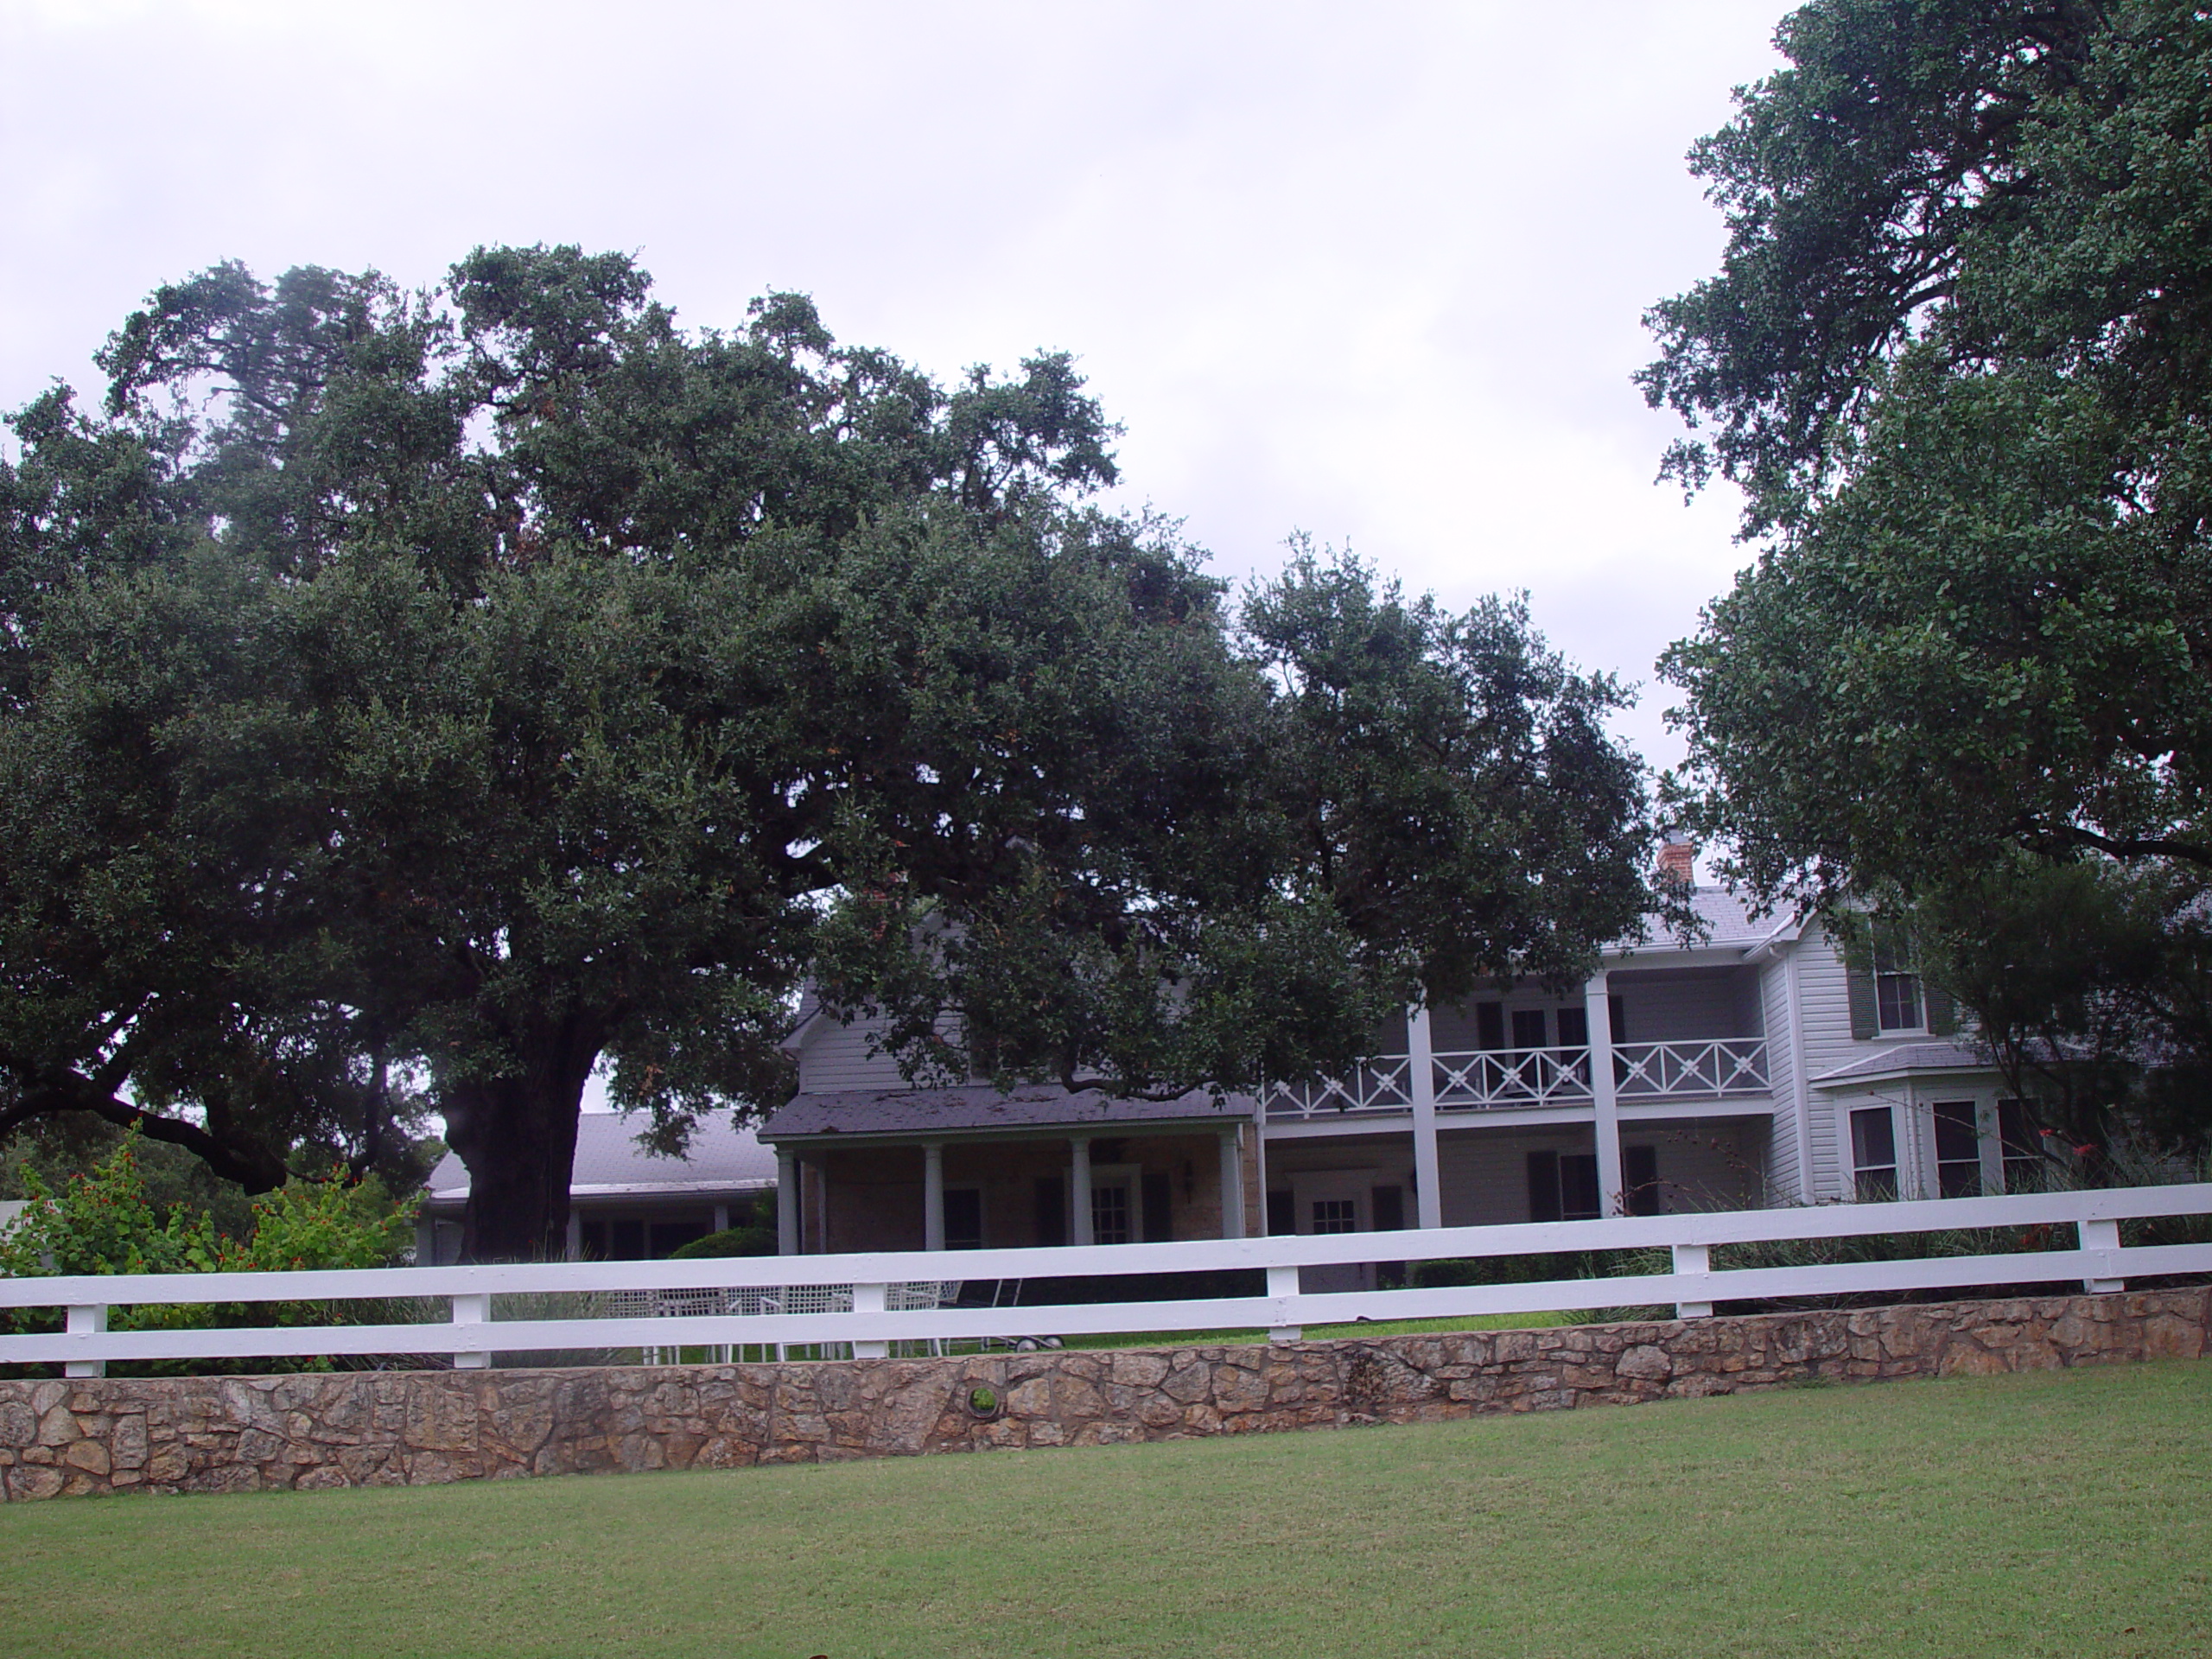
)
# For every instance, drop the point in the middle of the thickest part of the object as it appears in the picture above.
(517, 1137)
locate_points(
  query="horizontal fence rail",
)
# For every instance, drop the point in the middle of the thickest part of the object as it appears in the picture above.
(870, 1301)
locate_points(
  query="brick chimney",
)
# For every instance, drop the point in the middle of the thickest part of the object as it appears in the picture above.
(1678, 861)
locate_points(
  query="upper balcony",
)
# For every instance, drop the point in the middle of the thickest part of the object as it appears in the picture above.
(1713, 1068)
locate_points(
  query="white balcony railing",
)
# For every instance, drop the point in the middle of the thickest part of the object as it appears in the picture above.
(1381, 1084)
(1502, 1078)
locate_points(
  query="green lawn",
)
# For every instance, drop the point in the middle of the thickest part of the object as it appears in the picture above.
(2061, 1514)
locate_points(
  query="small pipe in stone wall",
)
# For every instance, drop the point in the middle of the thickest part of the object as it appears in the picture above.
(382, 1428)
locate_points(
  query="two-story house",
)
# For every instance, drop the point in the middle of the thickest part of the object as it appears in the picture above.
(1755, 1067)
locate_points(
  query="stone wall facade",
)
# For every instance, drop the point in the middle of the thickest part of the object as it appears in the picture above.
(371, 1429)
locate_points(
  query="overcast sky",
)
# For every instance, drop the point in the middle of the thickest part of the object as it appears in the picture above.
(1372, 272)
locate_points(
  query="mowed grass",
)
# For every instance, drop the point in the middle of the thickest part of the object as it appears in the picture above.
(2062, 1514)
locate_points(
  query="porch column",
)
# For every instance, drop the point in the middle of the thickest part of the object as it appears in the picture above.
(1420, 1085)
(1598, 1013)
(1232, 1184)
(932, 1195)
(1079, 1190)
(786, 1202)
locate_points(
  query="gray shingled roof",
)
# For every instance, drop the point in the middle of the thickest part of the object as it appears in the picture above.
(971, 1108)
(1905, 1057)
(609, 1161)
(1727, 919)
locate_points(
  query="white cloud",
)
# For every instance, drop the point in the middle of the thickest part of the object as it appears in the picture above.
(1374, 273)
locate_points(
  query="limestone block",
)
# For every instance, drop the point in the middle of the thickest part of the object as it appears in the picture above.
(57, 1426)
(1647, 1362)
(90, 1456)
(25, 1482)
(1136, 1370)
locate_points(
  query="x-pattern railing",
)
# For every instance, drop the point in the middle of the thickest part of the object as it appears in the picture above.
(1513, 1076)
(1726, 1065)
(1383, 1084)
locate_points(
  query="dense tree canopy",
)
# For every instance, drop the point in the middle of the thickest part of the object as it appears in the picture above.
(1960, 358)
(415, 700)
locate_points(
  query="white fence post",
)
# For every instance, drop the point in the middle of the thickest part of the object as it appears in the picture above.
(2100, 1236)
(469, 1310)
(1693, 1259)
(1282, 1286)
(870, 1299)
(87, 1321)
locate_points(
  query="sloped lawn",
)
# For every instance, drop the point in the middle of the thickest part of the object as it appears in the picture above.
(2060, 1514)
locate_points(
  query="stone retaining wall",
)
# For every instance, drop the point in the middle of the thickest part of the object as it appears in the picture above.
(367, 1428)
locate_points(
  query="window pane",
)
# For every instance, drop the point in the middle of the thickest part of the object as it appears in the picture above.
(1956, 1137)
(1336, 1216)
(1874, 1153)
(1897, 1001)
(1111, 1222)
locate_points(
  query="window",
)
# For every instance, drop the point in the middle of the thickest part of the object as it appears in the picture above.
(1574, 1027)
(1113, 1217)
(1336, 1216)
(1563, 1186)
(1874, 1154)
(2020, 1148)
(963, 1219)
(1529, 1028)
(1898, 1004)
(1958, 1150)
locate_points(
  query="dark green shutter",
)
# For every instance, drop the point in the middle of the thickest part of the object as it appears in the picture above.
(1051, 1210)
(1158, 1228)
(1858, 984)
(1543, 1187)
(1942, 1012)
(1640, 1174)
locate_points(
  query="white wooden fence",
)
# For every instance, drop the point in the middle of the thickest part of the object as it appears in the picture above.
(471, 1335)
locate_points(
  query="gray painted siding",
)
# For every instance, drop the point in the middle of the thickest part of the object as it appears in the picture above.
(1683, 1006)
(1829, 1044)
(838, 1058)
(1782, 1174)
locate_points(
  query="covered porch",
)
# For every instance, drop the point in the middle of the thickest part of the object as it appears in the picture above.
(966, 1167)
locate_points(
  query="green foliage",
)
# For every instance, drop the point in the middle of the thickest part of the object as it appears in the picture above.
(1960, 358)
(105, 1221)
(755, 1236)
(411, 702)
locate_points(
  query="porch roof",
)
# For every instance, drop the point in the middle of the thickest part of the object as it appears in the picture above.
(1901, 1059)
(910, 1114)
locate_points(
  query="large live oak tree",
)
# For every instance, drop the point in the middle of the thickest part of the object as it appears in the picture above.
(451, 693)
(1959, 356)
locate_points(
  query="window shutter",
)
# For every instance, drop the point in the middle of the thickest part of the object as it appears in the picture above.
(1640, 1173)
(1942, 1012)
(1158, 1228)
(1617, 1019)
(1489, 1025)
(1858, 985)
(1386, 1208)
(1543, 1187)
(1051, 1210)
